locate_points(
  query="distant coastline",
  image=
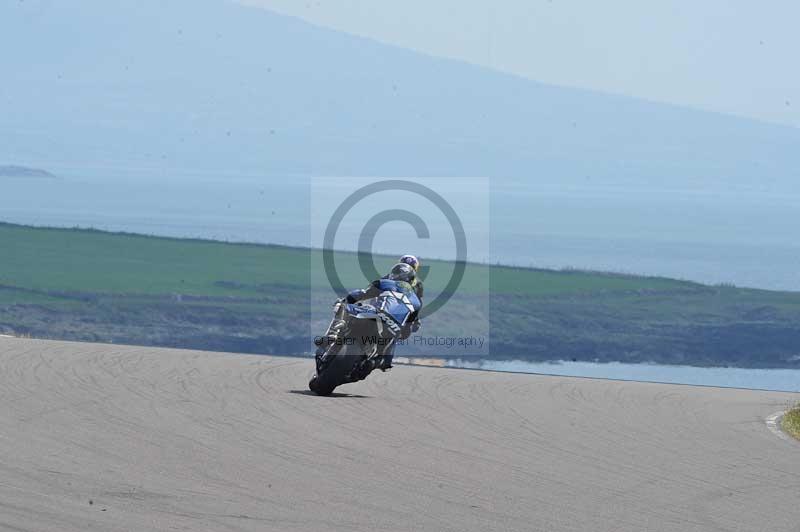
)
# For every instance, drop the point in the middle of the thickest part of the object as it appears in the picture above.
(11, 170)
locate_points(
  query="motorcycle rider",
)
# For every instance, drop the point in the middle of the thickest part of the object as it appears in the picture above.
(396, 297)
(416, 284)
(415, 263)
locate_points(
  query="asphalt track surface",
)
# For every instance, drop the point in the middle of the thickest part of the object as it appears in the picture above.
(104, 437)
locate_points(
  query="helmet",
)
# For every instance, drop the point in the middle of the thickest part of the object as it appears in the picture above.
(402, 272)
(412, 261)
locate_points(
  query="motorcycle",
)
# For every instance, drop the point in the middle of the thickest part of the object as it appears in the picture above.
(357, 336)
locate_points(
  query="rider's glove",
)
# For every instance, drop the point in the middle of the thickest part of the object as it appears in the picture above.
(355, 295)
(337, 304)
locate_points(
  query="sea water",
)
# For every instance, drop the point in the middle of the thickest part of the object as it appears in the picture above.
(741, 237)
(761, 379)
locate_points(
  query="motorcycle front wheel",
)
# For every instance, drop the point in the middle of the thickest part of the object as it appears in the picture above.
(335, 371)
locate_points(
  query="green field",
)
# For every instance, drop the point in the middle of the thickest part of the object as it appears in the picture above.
(92, 285)
(68, 260)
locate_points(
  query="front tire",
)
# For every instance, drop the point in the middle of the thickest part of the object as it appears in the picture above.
(333, 373)
(313, 385)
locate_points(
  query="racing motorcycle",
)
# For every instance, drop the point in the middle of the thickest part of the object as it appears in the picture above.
(357, 335)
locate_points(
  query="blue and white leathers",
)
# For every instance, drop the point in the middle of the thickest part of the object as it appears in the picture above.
(396, 299)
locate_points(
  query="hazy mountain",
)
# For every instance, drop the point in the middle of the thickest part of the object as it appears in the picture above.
(213, 85)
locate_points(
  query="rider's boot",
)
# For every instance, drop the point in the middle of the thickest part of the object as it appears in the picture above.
(362, 369)
(386, 358)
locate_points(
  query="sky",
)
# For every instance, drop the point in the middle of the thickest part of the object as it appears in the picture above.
(731, 56)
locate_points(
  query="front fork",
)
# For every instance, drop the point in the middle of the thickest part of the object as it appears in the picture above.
(337, 328)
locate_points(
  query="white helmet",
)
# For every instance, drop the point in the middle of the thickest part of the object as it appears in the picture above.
(412, 261)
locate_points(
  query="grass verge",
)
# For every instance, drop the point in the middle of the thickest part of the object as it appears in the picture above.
(791, 422)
